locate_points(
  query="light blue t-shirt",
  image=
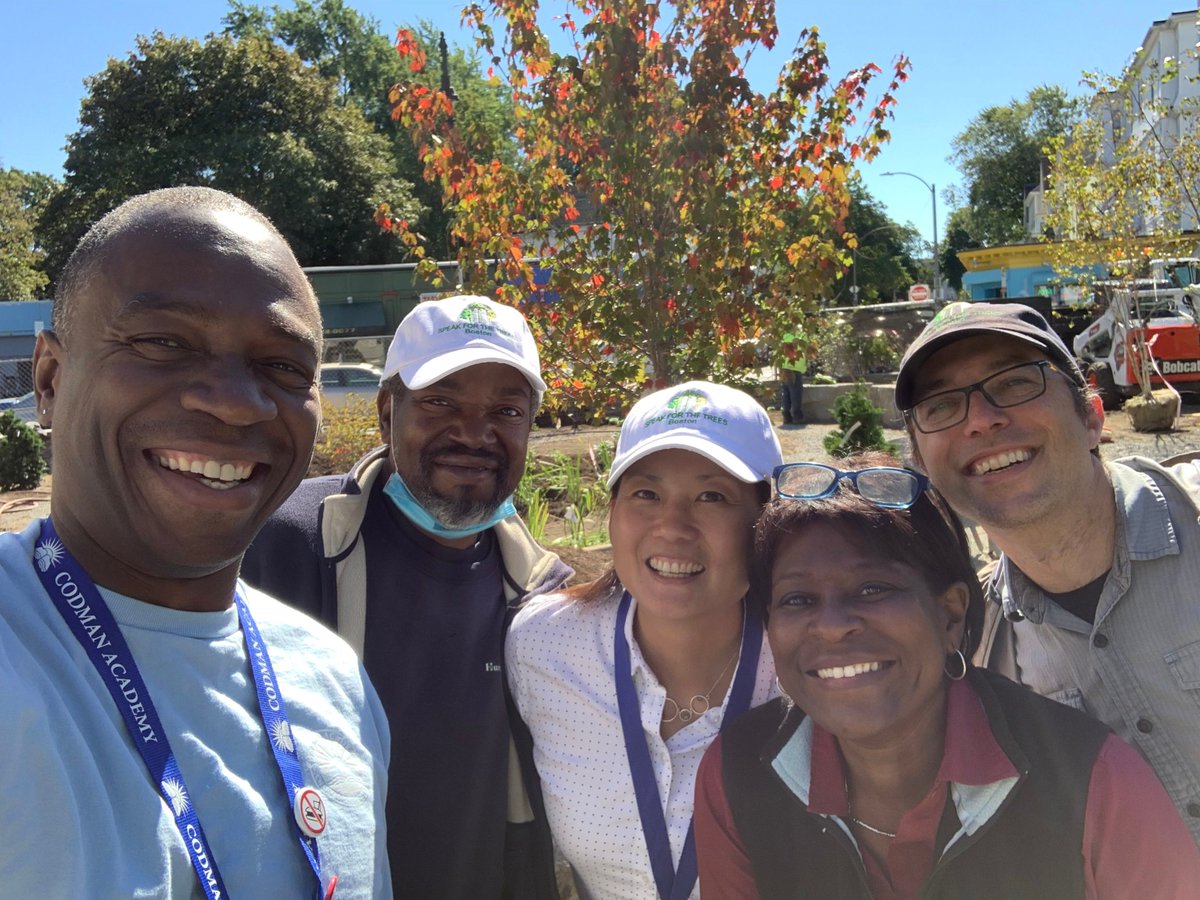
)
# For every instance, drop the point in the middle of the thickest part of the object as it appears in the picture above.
(79, 815)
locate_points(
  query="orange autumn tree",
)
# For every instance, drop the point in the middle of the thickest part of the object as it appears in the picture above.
(680, 213)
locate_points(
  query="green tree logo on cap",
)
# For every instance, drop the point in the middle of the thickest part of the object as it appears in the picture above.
(477, 313)
(687, 401)
(953, 312)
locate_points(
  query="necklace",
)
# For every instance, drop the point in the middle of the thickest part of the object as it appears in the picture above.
(699, 703)
(872, 829)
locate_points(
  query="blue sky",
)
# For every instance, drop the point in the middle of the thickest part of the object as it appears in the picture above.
(966, 55)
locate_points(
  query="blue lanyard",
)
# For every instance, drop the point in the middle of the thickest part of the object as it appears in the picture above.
(91, 622)
(672, 884)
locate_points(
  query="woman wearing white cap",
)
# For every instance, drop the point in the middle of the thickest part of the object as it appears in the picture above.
(626, 681)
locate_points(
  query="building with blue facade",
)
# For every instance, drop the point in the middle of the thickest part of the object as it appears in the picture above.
(1021, 270)
(20, 322)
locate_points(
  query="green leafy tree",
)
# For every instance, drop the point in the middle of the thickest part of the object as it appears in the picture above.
(23, 196)
(348, 47)
(1123, 188)
(959, 231)
(683, 214)
(1124, 182)
(244, 116)
(1000, 154)
(882, 252)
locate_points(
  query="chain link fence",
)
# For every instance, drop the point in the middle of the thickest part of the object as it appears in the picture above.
(16, 377)
(371, 350)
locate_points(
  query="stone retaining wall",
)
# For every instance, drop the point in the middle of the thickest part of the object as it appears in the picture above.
(819, 400)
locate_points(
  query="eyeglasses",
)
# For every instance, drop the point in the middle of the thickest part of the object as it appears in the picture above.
(891, 488)
(1008, 387)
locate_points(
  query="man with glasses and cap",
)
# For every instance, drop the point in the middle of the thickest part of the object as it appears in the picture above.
(419, 560)
(1094, 601)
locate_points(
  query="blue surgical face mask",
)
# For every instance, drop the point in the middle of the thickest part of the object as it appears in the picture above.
(398, 492)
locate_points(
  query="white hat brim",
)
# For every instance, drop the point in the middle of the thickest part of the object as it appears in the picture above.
(680, 440)
(429, 371)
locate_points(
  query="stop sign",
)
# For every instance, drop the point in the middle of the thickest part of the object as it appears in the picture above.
(918, 293)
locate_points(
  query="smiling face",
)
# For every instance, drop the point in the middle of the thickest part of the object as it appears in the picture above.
(681, 530)
(1005, 468)
(183, 400)
(460, 443)
(859, 639)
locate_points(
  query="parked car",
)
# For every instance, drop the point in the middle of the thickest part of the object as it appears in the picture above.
(340, 382)
(23, 407)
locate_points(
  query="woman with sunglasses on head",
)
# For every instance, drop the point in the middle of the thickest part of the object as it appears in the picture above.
(891, 768)
(626, 681)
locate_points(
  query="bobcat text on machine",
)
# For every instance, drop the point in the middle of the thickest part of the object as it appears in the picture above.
(1148, 333)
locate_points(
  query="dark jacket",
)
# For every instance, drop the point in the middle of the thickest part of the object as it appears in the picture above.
(310, 554)
(1029, 848)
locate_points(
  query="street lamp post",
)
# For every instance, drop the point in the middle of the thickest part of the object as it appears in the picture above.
(937, 268)
(447, 88)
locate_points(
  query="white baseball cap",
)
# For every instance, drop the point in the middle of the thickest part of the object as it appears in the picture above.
(440, 337)
(720, 423)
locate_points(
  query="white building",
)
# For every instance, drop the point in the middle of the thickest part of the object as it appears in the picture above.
(1159, 111)
(1155, 110)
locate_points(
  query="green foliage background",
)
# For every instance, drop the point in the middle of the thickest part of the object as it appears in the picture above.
(243, 116)
(21, 462)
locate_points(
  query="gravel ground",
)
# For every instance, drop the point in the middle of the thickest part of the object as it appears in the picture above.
(800, 442)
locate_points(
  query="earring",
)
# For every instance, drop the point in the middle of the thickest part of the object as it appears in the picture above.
(782, 693)
(962, 661)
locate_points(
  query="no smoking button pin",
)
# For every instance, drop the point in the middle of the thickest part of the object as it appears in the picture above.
(309, 809)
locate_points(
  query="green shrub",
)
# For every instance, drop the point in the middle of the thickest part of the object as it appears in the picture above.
(861, 425)
(347, 434)
(21, 462)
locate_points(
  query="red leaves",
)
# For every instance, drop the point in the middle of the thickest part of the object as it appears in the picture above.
(409, 48)
(713, 206)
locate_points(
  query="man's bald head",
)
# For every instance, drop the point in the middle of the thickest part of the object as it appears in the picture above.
(178, 211)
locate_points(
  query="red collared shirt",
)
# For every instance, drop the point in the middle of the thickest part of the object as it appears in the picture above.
(1117, 858)
(971, 756)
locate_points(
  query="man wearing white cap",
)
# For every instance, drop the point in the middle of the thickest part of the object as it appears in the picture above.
(418, 558)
